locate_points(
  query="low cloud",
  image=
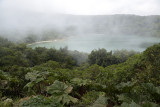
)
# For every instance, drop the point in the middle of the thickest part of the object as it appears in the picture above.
(25, 15)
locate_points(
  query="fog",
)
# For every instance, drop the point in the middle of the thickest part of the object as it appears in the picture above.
(82, 19)
(82, 7)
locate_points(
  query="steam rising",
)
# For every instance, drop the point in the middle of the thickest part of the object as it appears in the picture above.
(18, 18)
(38, 14)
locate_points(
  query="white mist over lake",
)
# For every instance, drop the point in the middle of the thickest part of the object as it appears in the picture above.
(19, 18)
(89, 42)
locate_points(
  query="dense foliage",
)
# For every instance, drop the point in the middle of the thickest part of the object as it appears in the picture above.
(103, 58)
(51, 78)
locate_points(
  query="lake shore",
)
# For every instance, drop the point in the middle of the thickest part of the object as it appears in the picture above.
(41, 42)
(55, 40)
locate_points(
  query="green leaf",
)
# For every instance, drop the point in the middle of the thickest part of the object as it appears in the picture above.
(158, 90)
(150, 87)
(80, 82)
(125, 86)
(57, 87)
(72, 99)
(124, 98)
(39, 101)
(68, 89)
(101, 102)
(39, 80)
(149, 104)
(29, 85)
(60, 91)
(32, 76)
(132, 104)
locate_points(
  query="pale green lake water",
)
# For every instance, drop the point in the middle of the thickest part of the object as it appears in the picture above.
(94, 41)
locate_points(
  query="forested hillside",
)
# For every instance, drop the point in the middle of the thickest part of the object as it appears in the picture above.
(43, 77)
(127, 25)
(116, 24)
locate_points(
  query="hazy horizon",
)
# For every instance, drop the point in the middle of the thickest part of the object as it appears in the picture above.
(82, 7)
(27, 15)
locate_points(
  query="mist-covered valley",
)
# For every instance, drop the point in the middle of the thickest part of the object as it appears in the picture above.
(83, 32)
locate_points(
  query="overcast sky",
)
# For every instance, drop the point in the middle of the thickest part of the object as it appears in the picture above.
(82, 7)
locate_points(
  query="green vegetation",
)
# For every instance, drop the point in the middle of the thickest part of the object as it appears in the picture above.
(103, 58)
(31, 38)
(43, 77)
